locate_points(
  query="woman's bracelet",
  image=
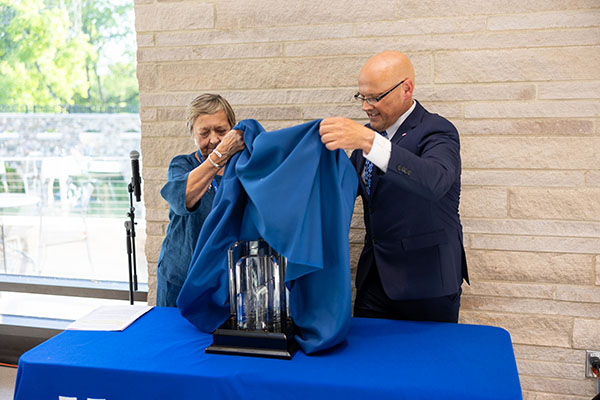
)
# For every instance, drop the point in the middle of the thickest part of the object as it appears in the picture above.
(214, 164)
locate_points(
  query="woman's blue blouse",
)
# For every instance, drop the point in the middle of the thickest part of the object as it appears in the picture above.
(184, 224)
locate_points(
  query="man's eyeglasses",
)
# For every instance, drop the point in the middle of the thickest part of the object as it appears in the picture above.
(374, 100)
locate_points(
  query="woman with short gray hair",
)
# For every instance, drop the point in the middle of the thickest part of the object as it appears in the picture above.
(193, 180)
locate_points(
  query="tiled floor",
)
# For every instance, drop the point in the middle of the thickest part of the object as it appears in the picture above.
(7, 382)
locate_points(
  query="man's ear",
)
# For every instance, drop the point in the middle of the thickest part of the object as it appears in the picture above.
(407, 87)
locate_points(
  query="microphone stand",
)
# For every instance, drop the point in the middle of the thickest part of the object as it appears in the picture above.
(130, 229)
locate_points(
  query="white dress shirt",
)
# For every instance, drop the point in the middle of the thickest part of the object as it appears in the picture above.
(381, 149)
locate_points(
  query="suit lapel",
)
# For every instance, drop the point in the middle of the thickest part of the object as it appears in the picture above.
(403, 130)
(409, 123)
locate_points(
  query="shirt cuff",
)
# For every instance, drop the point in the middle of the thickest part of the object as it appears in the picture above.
(380, 152)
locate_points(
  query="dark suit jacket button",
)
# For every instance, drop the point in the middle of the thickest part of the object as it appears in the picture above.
(402, 169)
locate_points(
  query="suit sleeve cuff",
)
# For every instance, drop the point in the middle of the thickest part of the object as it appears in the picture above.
(380, 152)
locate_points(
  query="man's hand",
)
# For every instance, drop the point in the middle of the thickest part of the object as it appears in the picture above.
(343, 133)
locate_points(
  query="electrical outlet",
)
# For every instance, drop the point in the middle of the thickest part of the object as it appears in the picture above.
(588, 367)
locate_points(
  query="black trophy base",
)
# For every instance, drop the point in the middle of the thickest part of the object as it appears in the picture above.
(281, 345)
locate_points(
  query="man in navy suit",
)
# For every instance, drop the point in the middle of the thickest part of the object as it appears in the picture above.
(408, 160)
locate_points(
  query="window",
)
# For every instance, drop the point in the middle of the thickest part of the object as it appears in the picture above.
(68, 121)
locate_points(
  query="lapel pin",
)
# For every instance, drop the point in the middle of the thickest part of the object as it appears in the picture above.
(404, 134)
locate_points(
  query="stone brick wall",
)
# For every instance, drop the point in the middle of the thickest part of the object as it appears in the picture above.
(520, 80)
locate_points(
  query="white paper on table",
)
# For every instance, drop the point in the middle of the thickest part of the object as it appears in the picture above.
(109, 318)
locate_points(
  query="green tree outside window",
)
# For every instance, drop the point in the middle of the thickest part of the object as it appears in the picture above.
(63, 54)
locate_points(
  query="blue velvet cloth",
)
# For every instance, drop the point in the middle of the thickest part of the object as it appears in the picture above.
(288, 189)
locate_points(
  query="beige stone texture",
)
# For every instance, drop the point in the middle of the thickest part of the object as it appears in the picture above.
(145, 40)
(159, 215)
(421, 26)
(592, 178)
(531, 267)
(174, 16)
(463, 41)
(516, 65)
(244, 13)
(578, 294)
(175, 146)
(510, 289)
(423, 8)
(571, 204)
(254, 35)
(530, 153)
(156, 229)
(147, 76)
(153, 243)
(522, 87)
(533, 306)
(357, 221)
(586, 334)
(523, 178)
(165, 127)
(448, 110)
(260, 74)
(269, 113)
(148, 114)
(540, 109)
(474, 92)
(319, 111)
(527, 395)
(545, 353)
(581, 386)
(551, 369)
(152, 285)
(173, 114)
(153, 199)
(483, 202)
(541, 330)
(150, 147)
(571, 90)
(232, 51)
(565, 19)
(532, 227)
(535, 243)
(357, 236)
(526, 127)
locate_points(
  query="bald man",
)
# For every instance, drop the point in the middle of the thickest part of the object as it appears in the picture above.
(408, 160)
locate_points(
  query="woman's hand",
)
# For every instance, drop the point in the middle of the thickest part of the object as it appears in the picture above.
(231, 143)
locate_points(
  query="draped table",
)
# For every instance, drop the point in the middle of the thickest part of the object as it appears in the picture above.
(161, 356)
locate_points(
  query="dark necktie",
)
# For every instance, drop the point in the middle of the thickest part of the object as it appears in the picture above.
(369, 168)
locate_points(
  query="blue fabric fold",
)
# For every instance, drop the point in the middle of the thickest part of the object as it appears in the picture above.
(288, 189)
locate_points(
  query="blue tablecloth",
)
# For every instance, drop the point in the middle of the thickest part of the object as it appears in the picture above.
(161, 356)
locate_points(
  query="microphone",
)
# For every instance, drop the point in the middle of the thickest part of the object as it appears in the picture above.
(136, 180)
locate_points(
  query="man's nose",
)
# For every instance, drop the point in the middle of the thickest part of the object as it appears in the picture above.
(366, 106)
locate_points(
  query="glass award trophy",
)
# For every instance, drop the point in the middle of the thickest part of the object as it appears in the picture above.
(260, 323)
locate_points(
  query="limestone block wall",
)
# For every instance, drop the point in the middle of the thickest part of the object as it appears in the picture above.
(520, 80)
